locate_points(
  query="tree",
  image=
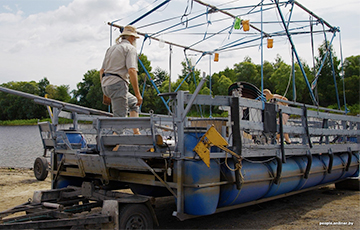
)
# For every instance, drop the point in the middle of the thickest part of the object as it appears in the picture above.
(50, 91)
(43, 83)
(352, 66)
(280, 77)
(326, 85)
(352, 80)
(247, 71)
(89, 92)
(15, 107)
(142, 76)
(184, 86)
(160, 76)
(268, 70)
(62, 93)
(229, 73)
(222, 85)
(190, 72)
(151, 100)
(143, 58)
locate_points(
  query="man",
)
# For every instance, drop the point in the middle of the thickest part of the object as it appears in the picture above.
(118, 70)
(285, 116)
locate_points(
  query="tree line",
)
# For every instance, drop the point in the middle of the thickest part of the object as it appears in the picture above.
(277, 77)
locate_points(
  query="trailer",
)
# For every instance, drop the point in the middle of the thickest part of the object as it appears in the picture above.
(105, 177)
(208, 165)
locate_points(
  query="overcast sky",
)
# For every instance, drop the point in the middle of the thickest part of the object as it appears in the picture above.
(63, 39)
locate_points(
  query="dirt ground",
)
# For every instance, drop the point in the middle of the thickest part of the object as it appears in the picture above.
(324, 208)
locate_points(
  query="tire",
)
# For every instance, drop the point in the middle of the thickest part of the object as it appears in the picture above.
(41, 168)
(135, 216)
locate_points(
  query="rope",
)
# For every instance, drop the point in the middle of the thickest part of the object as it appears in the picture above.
(196, 43)
(142, 46)
(342, 73)
(186, 14)
(158, 22)
(226, 3)
(254, 7)
(193, 26)
(313, 53)
(238, 166)
(193, 72)
(287, 87)
(144, 88)
(207, 21)
(180, 23)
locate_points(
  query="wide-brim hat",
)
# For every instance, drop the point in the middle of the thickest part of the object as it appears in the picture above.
(130, 30)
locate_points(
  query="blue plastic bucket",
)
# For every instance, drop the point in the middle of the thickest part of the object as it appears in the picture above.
(75, 137)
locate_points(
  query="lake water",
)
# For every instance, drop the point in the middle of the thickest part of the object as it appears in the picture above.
(19, 146)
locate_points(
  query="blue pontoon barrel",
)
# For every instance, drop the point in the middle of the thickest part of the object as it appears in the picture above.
(203, 200)
(258, 177)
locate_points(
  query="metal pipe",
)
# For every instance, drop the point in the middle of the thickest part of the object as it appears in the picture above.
(334, 77)
(152, 82)
(322, 63)
(192, 99)
(229, 14)
(309, 106)
(55, 103)
(157, 39)
(52, 205)
(262, 56)
(149, 12)
(297, 57)
(157, 176)
(180, 149)
(314, 15)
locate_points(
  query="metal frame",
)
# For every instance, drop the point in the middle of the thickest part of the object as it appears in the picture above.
(308, 127)
(142, 159)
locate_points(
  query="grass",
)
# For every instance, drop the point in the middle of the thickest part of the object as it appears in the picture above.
(31, 122)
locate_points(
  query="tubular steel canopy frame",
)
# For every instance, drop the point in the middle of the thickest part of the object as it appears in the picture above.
(207, 29)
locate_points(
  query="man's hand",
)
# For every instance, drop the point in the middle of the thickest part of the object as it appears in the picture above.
(140, 99)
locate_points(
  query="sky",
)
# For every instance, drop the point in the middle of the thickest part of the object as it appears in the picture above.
(63, 39)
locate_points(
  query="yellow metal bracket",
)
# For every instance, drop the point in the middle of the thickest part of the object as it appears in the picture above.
(211, 138)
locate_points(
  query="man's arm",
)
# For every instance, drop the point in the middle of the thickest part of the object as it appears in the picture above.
(101, 74)
(134, 82)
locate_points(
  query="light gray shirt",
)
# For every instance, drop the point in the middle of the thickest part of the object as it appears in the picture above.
(119, 58)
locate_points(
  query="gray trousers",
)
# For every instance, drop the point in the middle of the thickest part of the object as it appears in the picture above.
(121, 99)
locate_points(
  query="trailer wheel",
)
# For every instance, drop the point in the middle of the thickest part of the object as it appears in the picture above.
(135, 216)
(41, 168)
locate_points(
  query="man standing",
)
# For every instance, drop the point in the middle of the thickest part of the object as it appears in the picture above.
(118, 70)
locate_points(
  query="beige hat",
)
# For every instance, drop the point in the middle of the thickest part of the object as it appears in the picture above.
(129, 30)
